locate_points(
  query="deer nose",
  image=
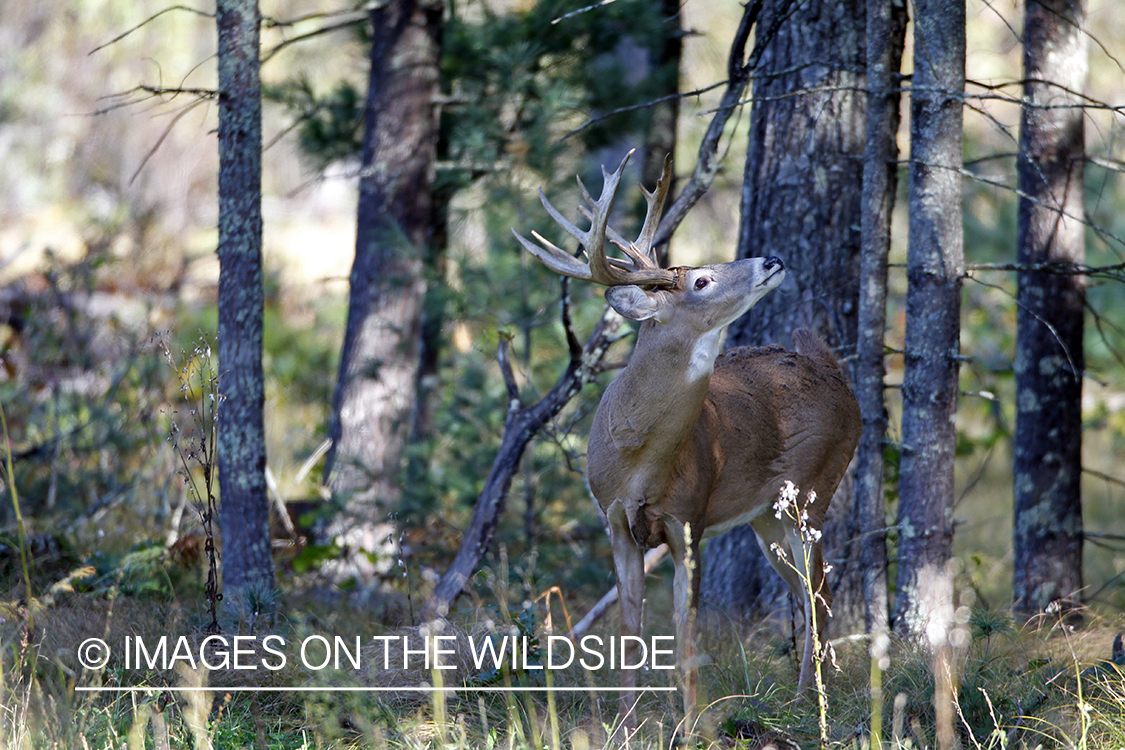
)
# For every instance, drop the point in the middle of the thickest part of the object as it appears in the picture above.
(772, 261)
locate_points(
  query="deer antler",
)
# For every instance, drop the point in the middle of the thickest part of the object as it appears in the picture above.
(641, 269)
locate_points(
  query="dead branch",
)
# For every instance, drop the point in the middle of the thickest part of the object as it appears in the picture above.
(162, 138)
(520, 427)
(327, 29)
(149, 20)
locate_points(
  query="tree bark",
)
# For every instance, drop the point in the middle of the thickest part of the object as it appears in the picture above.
(374, 402)
(935, 266)
(886, 34)
(244, 511)
(800, 201)
(1047, 451)
(660, 138)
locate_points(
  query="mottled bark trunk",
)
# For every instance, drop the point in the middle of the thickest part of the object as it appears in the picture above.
(801, 201)
(375, 393)
(935, 266)
(1049, 358)
(886, 34)
(244, 512)
(660, 140)
(431, 340)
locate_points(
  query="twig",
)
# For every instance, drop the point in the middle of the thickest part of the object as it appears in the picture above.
(644, 105)
(148, 20)
(163, 137)
(580, 11)
(312, 35)
(652, 558)
(505, 363)
(1107, 478)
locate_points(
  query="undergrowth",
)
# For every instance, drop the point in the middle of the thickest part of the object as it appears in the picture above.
(1049, 686)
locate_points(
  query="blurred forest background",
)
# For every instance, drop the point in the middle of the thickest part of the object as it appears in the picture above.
(108, 287)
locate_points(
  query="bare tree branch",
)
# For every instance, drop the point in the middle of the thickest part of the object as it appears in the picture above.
(163, 137)
(580, 11)
(644, 105)
(313, 34)
(149, 20)
(520, 427)
(1115, 272)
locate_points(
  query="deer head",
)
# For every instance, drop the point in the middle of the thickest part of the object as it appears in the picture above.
(638, 287)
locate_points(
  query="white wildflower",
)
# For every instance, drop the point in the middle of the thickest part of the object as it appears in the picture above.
(785, 498)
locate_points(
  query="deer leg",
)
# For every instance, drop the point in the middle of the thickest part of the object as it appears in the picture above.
(683, 544)
(786, 554)
(628, 561)
(815, 598)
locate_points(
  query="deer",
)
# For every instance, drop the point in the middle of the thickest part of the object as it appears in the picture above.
(688, 442)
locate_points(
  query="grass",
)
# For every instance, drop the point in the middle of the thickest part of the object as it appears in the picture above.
(1017, 688)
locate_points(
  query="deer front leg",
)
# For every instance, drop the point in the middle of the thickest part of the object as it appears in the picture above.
(683, 544)
(628, 562)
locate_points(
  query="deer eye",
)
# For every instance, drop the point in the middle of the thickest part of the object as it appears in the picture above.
(701, 282)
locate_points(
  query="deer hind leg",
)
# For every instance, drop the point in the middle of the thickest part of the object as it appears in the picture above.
(628, 562)
(798, 561)
(815, 598)
(683, 544)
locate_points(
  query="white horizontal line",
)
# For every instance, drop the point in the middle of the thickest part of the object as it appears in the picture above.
(244, 689)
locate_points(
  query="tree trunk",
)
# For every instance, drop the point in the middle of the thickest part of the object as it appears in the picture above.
(660, 139)
(431, 339)
(1049, 359)
(935, 266)
(886, 32)
(801, 201)
(934, 269)
(375, 393)
(244, 510)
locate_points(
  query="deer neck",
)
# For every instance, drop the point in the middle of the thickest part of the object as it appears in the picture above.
(679, 363)
(654, 404)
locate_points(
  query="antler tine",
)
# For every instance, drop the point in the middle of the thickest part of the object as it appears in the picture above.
(555, 258)
(568, 226)
(655, 201)
(597, 212)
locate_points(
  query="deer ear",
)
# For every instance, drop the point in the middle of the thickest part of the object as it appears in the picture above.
(632, 302)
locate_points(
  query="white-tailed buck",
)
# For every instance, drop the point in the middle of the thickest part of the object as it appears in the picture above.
(687, 443)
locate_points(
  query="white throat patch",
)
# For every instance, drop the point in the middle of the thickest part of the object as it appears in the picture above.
(703, 355)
